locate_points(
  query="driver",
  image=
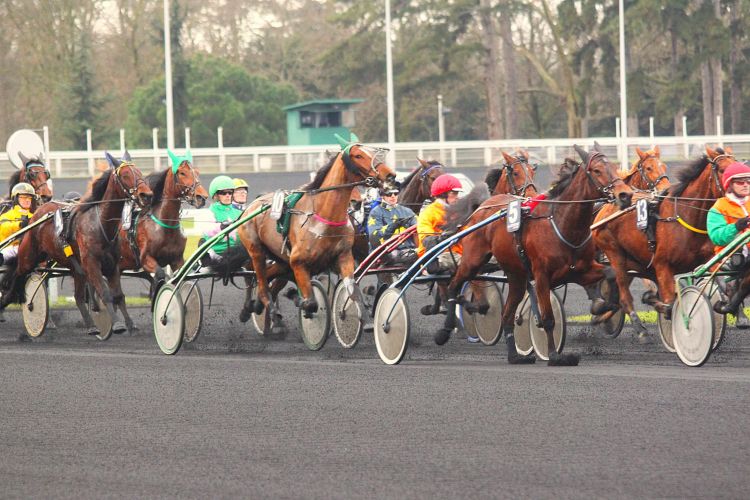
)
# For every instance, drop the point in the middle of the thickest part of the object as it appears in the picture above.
(23, 198)
(389, 218)
(445, 190)
(730, 215)
(221, 191)
(239, 198)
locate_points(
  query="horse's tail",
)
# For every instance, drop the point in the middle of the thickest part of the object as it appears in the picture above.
(231, 260)
(457, 213)
(493, 177)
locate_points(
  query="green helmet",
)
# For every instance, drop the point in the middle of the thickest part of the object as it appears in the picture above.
(22, 188)
(220, 183)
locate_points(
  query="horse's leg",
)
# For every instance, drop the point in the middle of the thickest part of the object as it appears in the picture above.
(302, 277)
(624, 280)
(665, 283)
(79, 291)
(118, 302)
(515, 295)
(732, 306)
(543, 291)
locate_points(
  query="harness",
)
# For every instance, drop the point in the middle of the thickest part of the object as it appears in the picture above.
(528, 182)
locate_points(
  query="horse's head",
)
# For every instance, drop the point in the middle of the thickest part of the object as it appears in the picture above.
(367, 162)
(187, 181)
(518, 175)
(719, 159)
(427, 173)
(129, 180)
(604, 177)
(652, 170)
(36, 173)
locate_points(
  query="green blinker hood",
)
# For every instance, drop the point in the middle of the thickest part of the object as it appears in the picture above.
(177, 160)
(347, 145)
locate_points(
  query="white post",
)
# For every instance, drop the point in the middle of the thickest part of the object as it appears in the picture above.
(122, 139)
(168, 75)
(389, 83)
(719, 132)
(651, 127)
(89, 148)
(487, 157)
(222, 156)
(623, 92)
(441, 126)
(187, 138)
(686, 147)
(617, 128)
(155, 144)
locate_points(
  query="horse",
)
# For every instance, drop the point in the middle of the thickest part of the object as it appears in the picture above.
(614, 238)
(415, 188)
(33, 172)
(92, 237)
(516, 176)
(157, 240)
(320, 234)
(551, 248)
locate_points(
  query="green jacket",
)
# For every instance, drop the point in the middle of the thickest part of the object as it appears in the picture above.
(223, 213)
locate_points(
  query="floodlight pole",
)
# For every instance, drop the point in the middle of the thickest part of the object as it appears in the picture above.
(389, 79)
(168, 76)
(623, 93)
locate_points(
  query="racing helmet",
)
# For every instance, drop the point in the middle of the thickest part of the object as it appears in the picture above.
(220, 183)
(240, 183)
(734, 171)
(22, 188)
(445, 183)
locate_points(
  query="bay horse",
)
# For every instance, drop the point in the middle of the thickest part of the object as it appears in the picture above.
(415, 188)
(647, 173)
(33, 172)
(320, 234)
(159, 240)
(552, 247)
(93, 238)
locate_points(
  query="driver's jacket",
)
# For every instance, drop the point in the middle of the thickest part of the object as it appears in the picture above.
(223, 213)
(430, 223)
(10, 222)
(383, 215)
(721, 219)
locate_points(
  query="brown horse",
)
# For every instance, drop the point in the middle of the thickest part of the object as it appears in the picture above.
(516, 176)
(320, 234)
(614, 238)
(159, 241)
(94, 227)
(415, 188)
(552, 247)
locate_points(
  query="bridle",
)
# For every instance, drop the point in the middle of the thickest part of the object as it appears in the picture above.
(528, 180)
(651, 184)
(604, 189)
(130, 192)
(184, 192)
(377, 159)
(715, 168)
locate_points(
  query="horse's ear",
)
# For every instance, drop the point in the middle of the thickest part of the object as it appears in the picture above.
(597, 147)
(343, 142)
(126, 156)
(581, 152)
(175, 160)
(508, 158)
(641, 154)
(111, 160)
(353, 138)
(23, 158)
(657, 151)
(422, 162)
(710, 152)
(524, 153)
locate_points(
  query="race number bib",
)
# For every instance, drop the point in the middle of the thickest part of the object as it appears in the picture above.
(513, 219)
(127, 215)
(641, 214)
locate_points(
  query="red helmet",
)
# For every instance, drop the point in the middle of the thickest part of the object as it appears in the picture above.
(735, 170)
(445, 183)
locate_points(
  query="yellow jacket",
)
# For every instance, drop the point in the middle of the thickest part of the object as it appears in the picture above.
(10, 222)
(429, 222)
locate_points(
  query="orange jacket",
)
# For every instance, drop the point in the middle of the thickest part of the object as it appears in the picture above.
(429, 222)
(721, 219)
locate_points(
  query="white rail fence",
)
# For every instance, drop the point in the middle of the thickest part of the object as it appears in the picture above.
(453, 153)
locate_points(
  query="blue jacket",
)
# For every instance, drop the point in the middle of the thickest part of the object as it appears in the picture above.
(383, 215)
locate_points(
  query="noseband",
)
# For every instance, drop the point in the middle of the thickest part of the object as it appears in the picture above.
(715, 169)
(651, 184)
(606, 190)
(518, 191)
(187, 193)
(130, 192)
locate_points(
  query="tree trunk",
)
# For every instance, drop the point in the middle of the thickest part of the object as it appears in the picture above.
(492, 78)
(708, 99)
(735, 56)
(511, 85)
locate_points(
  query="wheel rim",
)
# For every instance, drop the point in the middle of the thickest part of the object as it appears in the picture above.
(720, 320)
(692, 326)
(539, 336)
(347, 317)
(36, 308)
(168, 320)
(488, 326)
(522, 332)
(192, 298)
(315, 329)
(391, 345)
(665, 332)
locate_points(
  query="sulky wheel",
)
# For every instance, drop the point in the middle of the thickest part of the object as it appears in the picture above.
(521, 328)
(538, 335)
(693, 326)
(613, 326)
(488, 326)
(99, 313)
(169, 319)
(348, 317)
(36, 307)
(664, 326)
(315, 329)
(192, 298)
(391, 337)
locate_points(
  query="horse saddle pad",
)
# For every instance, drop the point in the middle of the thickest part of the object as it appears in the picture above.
(285, 214)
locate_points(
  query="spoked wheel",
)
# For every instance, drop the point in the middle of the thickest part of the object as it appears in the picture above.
(348, 317)
(36, 307)
(391, 337)
(720, 320)
(692, 326)
(486, 326)
(99, 313)
(522, 331)
(665, 331)
(192, 298)
(315, 329)
(539, 336)
(169, 319)
(613, 326)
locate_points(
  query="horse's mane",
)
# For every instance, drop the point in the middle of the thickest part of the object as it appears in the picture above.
(14, 179)
(411, 175)
(321, 174)
(689, 173)
(564, 177)
(493, 177)
(156, 181)
(457, 213)
(96, 192)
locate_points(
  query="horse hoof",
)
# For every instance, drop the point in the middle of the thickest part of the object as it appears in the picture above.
(92, 330)
(258, 307)
(517, 359)
(428, 310)
(119, 328)
(290, 293)
(244, 315)
(483, 309)
(369, 290)
(600, 306)
(722, 307)
(569, 359)
(648, 297)
(278, 331)
(601, 318)
(644, 338)
(442, 336)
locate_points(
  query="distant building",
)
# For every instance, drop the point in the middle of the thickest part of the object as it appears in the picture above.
(314, 122)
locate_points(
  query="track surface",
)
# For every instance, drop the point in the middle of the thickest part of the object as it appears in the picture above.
(238, 415)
